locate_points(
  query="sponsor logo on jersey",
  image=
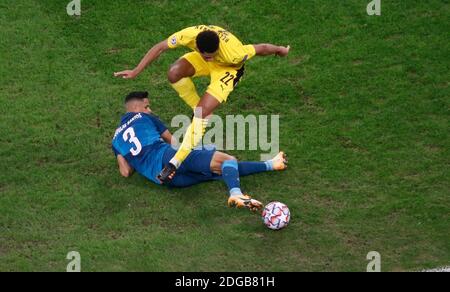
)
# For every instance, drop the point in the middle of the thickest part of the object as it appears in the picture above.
(173, 41)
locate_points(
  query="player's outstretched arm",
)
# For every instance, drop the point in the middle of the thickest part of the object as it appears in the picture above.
(125, 169)
(151, 56)
(269, 49)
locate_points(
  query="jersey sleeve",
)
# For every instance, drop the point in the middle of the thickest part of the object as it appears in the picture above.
(250, 51)
(116, 153)
(160, 126)
(240, 53)
(182, 38)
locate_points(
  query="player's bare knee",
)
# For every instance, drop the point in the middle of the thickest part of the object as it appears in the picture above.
(227, 157)
(232, 158)
(218, 159)
(174, 74)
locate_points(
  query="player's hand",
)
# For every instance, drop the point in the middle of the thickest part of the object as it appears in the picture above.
(167, 174)
(127, 74)
(283, 51)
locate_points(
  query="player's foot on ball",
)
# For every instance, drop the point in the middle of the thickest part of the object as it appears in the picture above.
(167, 173)
(280, 161)
(244, 201)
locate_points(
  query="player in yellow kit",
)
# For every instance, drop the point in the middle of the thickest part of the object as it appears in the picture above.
(216, 53)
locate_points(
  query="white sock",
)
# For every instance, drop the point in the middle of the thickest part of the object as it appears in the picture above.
(235, 192)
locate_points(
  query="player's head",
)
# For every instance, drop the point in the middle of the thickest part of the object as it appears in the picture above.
(208, 44)
(138, 102)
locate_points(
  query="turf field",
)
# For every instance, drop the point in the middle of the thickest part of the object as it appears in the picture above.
(364, 110)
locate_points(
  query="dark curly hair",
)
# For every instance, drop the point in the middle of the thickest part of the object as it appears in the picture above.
(207, 41)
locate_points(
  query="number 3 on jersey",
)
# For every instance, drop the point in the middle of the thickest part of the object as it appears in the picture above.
(131, 136)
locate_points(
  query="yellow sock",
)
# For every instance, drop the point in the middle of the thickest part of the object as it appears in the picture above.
(192, 138)
(186, 90)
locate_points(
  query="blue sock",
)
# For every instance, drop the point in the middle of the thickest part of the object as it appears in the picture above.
(230, 175)
(248, 168)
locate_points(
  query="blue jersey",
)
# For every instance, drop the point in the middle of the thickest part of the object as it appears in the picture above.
(138, 140)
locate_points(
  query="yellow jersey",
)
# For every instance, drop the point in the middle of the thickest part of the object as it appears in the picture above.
(231, 51)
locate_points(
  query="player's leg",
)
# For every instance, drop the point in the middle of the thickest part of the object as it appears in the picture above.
(180, 73)
(193, 136)
(195, 169)
(277, 163)
(188, 180)
(196, 130)
(227, 166)
(223, 80)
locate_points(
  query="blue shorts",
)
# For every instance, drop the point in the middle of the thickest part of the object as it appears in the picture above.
(194, 170)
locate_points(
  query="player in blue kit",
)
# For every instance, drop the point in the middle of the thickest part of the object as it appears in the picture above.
(142, 143)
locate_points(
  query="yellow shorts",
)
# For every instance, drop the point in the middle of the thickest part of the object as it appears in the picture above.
(223, 78)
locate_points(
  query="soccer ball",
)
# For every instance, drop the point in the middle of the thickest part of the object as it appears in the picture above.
(276, 215)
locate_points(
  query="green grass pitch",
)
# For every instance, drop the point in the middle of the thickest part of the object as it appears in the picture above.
(364, 109)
